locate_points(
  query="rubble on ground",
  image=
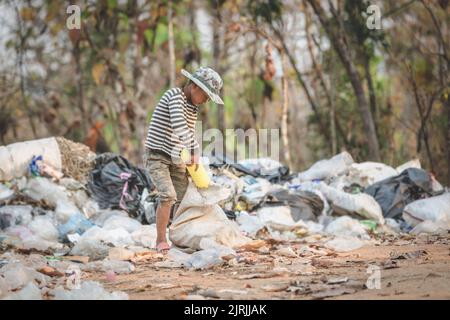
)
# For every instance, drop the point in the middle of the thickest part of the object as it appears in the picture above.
(77, 214)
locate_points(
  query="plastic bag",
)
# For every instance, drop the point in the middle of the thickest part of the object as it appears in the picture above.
(64, 210)
(29, 292)
(17, 275)
(43, 227)
(347, 227)
(89, 290)
(127, 223)
(16, 157)
(15, 215)
(96, 242)
(359, 204)
(343, 244)
(434, 209)
(5, 193)
(199, 217)
(304, 205)
(267, 168)
(40, 188)
(431, 227)
(394, 193)
(363, 174)
(116, 184)
(249, 224)
(279, 218)
(324, 169)
(145, 236)
(76, 224)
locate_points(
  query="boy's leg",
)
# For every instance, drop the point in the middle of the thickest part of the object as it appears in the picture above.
(179, 176)
(159, 170)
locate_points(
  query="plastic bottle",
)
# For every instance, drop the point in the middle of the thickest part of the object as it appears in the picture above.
(199, 176)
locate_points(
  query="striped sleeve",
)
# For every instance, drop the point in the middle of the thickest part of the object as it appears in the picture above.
(178, 121)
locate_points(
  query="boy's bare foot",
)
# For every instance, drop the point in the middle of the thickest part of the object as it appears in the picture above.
(162, 246)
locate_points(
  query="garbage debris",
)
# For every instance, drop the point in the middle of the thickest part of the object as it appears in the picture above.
(29, 292)
(38, 167)
(324, 169)
(359, 204)
(304, 205)
(116, 184)
(342, 244)
(15, 215)
(89, 290)
(415, 163)
(145, 236)
(101, 218)
(77, 223)
(44, 227)
(347, 227)
(362, 174)
(199, 217)
(127, 223)
(280, 219)
(431, 227)
(16, 157)
(394, 193)
(434, 209)
(77, 160)
(96, 242)
(5, 193)
(249, 224)
(17, 275)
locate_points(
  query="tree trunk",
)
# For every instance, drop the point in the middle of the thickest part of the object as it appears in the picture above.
(303, 84)
(284, 115)
(172, 60)
(80, 92)
(448, 140)
(217, 64)
(372, 95)
(336, 38)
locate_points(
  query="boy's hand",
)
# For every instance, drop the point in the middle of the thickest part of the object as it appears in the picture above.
(195, 160)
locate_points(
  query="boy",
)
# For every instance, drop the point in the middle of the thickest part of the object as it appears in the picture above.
(171, 130)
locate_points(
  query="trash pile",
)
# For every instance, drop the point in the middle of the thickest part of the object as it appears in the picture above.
(74, 213)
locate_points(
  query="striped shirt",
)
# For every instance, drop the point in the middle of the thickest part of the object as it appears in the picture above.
(172, 127)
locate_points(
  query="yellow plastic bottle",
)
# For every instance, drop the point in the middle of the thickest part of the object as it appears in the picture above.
(199, 176)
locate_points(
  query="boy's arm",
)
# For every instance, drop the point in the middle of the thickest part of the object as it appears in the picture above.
(179, 124)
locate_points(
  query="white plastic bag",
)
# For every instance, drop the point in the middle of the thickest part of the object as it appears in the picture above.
(200, 217)
(326, 168)
(279, 218)
(344, 244)
(127, 223)
(40, 188)
(94, 242)
(249, 224)
(435, 209)
(43, 227)
(363, 174)
(145, 236)
(16, 157)
(29, 292)
(347, 227)
(89, 290)
(361, 204)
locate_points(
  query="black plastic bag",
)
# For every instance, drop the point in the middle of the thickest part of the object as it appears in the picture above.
(304, 205)
(116, 184)
(393, 194)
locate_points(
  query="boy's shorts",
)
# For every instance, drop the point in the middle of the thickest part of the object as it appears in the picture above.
(170, 179)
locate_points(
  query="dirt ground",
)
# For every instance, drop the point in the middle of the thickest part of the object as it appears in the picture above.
(407, 268)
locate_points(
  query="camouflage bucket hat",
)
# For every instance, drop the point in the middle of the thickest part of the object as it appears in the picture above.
(208, 80)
